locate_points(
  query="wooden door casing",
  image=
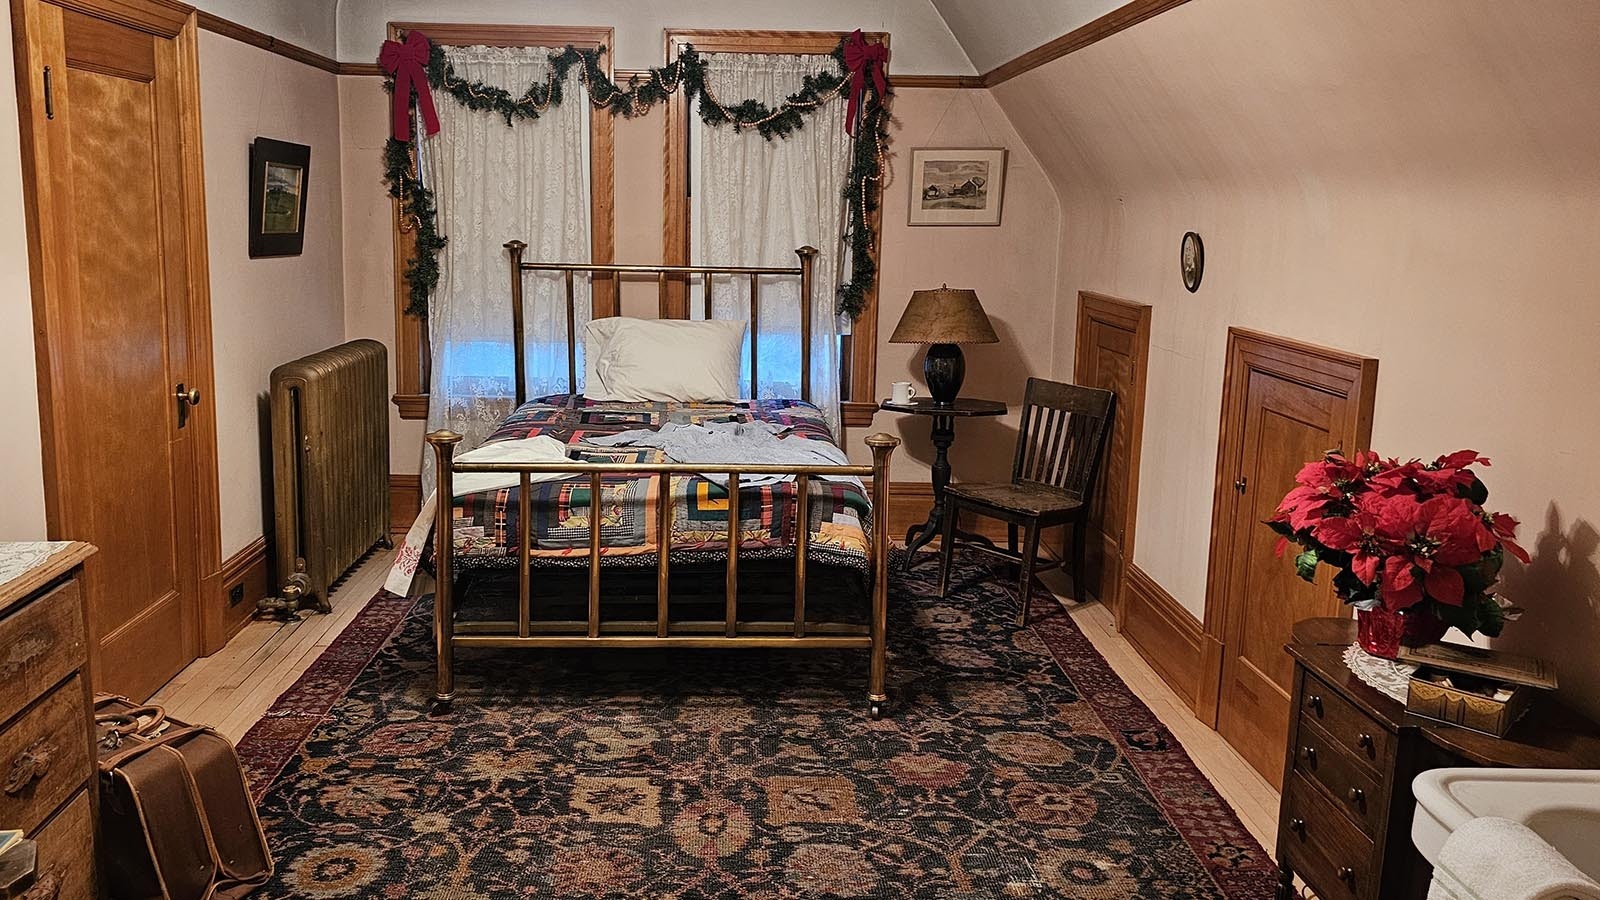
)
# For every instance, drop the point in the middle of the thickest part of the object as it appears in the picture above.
(1113, 353)
(121, 307)
(1284, 403)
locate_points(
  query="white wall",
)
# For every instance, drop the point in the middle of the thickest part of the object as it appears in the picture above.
(920, 41)
(264, 311)
(22, 509)
(307, 23)
(995, 33)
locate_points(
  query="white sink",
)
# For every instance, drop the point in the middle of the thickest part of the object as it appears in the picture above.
(1560, 805)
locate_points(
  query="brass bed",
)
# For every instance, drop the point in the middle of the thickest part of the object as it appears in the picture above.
(587, 627)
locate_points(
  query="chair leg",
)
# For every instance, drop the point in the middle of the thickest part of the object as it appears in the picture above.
(1030, 551)
(1080, 557)
(947, 543)
(1011, 536)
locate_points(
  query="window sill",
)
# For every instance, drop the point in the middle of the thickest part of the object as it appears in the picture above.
(411, 406)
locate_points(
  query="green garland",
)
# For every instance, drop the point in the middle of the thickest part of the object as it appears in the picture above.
(688, 74)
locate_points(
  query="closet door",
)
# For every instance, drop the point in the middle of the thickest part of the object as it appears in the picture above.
(122, 398)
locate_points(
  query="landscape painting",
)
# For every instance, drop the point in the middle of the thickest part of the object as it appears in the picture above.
(279, 183)
(957, 187)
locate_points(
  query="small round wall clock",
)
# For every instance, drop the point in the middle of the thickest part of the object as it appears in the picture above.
(1192, 261)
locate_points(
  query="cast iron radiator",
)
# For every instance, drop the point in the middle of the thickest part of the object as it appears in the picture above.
(330, 468)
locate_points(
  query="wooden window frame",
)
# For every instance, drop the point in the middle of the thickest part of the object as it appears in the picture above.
(412, 352)
(858, 407)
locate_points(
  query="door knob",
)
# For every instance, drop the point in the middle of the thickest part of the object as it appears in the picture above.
(190, 396)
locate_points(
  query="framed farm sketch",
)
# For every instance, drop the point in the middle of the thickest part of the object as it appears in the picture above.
(278, 173)
(960, 186)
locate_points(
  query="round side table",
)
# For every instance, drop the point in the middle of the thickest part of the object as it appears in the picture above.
(943, 433)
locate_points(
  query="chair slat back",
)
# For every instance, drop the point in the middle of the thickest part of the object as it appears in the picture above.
(1062, 437)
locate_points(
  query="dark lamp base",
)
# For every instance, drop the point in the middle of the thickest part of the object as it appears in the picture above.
(943, 369)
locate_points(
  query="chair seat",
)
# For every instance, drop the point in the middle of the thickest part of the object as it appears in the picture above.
(1025, 499)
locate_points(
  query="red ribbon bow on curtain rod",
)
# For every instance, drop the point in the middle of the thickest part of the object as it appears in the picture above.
(408, 63)
(859, 57)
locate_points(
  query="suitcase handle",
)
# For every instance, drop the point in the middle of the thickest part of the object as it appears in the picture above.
(125, 724)
(109, 763)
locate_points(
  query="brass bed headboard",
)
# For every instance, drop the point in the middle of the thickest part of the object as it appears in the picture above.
(808, 256)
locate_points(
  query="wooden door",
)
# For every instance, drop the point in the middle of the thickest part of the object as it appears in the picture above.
(111, 159)
(1113, 353)
(1284, 403)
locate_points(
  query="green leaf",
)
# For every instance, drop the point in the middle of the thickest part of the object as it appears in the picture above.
(1305, 565)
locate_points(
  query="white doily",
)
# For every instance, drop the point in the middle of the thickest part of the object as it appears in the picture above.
(1392, 678)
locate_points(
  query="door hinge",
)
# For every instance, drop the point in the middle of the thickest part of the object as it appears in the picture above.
(1241, 484)
(49, 96)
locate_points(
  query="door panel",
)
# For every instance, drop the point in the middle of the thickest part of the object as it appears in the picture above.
(1284, 404)
(113, 251)
(1113, 352)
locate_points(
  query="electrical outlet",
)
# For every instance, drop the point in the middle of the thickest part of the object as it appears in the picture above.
(236, 595)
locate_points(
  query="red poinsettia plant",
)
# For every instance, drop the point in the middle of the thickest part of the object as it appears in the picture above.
(1407, 537)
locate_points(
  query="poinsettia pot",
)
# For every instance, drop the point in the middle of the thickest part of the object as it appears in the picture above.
(1382, 632)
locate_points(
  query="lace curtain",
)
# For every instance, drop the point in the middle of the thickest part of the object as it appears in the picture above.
(495, 183)
(754, 201)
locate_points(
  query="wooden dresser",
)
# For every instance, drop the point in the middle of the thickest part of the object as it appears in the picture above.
(1344, 824)
(47, 767)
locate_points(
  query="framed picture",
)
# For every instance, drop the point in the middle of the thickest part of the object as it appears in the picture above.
(278, 179)
(1192, 261)
(960, 186)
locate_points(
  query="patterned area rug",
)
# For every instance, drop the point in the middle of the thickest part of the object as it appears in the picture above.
(1013, 763)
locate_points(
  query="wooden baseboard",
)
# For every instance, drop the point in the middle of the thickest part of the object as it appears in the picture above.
(246, 578)
(405, 501)
(1168, 637)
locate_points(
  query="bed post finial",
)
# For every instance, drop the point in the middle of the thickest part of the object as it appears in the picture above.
(444, 444)
(882, 448)
(517, 352)
(808, 264)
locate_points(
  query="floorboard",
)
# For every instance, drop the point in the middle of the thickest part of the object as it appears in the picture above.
(232, 688)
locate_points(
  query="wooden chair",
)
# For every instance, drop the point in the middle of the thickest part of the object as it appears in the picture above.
(1059, 447)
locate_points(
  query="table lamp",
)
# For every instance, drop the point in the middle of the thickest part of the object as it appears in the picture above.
(944, 319)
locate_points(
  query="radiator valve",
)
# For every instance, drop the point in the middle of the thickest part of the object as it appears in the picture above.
(296, 595)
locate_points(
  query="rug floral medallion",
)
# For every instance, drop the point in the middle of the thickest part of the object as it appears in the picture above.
(1012, 764)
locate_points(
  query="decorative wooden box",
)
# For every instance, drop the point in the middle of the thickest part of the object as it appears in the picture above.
(1484, 690)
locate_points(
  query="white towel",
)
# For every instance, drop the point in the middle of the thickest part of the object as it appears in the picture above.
(1491, 858)
(525, 450)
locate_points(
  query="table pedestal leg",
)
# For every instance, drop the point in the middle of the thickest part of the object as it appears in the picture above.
(917, 536)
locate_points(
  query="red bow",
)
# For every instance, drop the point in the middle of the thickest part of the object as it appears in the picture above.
(859, 57)
(408, 63)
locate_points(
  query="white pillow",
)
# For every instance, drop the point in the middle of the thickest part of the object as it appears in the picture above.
(669, 359)
(596, 337)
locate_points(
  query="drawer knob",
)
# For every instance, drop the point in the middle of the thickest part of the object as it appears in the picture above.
(1298, 826)
(1347, 875)
(48, 887)
(1310, 753)
(1356, 796)
(1315, 702)
(1364, 741)
(29, 766)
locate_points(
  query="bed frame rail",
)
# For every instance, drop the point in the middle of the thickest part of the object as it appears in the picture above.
(662, 631)
(808, 259)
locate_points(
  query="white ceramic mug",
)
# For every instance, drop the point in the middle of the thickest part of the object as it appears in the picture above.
(901, 392)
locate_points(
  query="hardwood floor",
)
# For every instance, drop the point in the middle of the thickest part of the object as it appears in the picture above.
(231, 689)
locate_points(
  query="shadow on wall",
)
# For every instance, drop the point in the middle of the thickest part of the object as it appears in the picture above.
(984, 446)
(1560, 591)
(269, 515)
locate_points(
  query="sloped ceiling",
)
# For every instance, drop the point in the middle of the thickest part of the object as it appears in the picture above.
(995, 33)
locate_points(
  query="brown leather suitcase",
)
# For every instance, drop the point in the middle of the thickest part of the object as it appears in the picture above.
(176, 818)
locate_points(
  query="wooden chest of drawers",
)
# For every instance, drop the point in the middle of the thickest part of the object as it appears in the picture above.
(47, 768)
(1344, 824)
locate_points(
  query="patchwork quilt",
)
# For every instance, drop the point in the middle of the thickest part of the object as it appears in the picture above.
(487, 525)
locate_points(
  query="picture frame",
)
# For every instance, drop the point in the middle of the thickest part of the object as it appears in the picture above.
(1192, 261)
(279, 178)
(957, 185)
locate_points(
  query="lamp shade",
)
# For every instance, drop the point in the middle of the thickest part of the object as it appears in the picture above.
(946, 315)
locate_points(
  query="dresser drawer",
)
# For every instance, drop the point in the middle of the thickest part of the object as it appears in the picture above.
(39, 645)
(44, 757)
(1323, 846)
(1347, 725)
(66, 854)
(1351, 784)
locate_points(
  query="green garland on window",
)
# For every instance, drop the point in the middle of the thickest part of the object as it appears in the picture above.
(642, 93)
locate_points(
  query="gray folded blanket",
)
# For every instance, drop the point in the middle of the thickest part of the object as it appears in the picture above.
(734, 443)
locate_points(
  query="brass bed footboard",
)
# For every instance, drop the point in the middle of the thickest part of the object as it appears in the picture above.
(730, 631)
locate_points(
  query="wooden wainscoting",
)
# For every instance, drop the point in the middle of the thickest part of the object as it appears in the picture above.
(1167, 635)
(250, 572)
